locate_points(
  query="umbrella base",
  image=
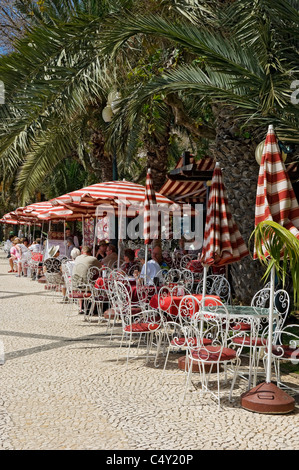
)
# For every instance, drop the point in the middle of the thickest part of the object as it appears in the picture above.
(267, 398)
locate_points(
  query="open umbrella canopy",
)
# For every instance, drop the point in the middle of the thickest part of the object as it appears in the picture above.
(109, 192)
(223, 243)
(32, 211)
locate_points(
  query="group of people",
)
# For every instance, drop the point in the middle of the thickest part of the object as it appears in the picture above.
(18, 251)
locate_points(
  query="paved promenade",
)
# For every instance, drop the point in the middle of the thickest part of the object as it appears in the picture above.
(63, 389)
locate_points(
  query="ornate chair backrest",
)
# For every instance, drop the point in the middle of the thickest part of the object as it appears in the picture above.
(188, 308)
(123, 302)
(144, 294)
(187, 279)
(93, 273)
(216, 285)
(281, 303)
(172, 276)
(209, 330)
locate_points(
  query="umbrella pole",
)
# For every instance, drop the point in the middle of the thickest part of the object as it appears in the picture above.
(64, 237)
(267, 397)
(204, 284)
(270, 332)
(119, 237)
(94, 236)
(83, 231)
(145, 264)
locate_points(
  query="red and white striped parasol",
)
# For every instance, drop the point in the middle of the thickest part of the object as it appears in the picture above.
(149, 202)
(223, 243)
(275, 201)
(150, 206)
(111, 191)
(275, 198)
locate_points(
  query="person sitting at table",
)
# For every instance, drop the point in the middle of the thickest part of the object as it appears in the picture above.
(101, 252)
(74, 237)
(111, 256)
(69, 246)
(129, 264)
(158, 257)
(70, 263)
(152, 268)
(82, 264)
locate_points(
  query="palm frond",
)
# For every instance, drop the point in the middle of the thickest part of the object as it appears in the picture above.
(283, 248)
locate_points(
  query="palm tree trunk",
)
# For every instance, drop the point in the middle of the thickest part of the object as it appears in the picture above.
(157, 158)
(100, 160)
(236, 155)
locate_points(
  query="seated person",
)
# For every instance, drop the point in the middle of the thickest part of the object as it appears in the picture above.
(101, 252)
(70, 263)
(82, 264)
(36, 246)
(74, 238)
(111, 256)
(153, 269)
(158, 257)
(129, 264)
(69, 246)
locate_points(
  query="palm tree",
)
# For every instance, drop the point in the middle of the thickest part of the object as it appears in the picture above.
(246, 60)
(57, 81)
(56, 84)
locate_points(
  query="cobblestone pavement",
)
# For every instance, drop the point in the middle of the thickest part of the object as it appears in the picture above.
(62, 388)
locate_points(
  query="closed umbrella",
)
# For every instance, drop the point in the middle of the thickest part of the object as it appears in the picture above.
(275, 201)
(223, 243)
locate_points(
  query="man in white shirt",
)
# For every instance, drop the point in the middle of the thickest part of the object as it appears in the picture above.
(153, 268)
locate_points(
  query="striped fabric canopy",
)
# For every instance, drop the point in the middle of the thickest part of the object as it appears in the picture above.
(32, 211)
(188, 191)
(275, 198)
(109, 192)
(149, 200)
(223, 243)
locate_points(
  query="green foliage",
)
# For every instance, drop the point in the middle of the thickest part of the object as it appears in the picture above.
(283, 249)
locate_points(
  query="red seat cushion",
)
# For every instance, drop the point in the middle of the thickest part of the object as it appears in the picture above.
(241, 326)
(135, 310)
(284, 351)
(214, 354)
(142, 327)
(80, 295)
(248, 341)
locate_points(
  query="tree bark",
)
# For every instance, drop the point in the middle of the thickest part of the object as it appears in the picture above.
(100, 160)
(157, 158)
(236, 155)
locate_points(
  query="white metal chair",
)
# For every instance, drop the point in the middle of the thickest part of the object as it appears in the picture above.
(285, 349)
(173, 330)
(53, 275)
(255, 341)
(144, 324)
(208, 342)
(99, 292)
